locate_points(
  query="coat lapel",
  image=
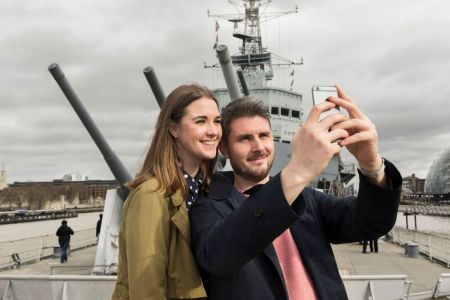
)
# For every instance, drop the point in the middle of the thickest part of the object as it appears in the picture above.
(181, 219)
(236, 199)
(272, 255)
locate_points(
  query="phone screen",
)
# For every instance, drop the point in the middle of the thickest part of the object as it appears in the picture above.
(320, 94)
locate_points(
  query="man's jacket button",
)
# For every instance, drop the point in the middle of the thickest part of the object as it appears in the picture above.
(258, 211)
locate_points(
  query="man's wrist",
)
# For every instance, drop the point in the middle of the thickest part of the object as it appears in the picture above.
(292, 184)
(373, 173)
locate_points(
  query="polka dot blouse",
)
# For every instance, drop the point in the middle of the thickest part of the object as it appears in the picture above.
(194, 186)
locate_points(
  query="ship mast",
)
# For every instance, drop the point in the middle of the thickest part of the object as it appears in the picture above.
(253, 59)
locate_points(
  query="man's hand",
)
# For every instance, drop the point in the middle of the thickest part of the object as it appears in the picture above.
(362, 140)
(313, 146)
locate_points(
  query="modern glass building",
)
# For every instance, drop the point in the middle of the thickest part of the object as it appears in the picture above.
(438, 178)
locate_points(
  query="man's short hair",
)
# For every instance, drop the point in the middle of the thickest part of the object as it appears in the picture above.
(247, 106)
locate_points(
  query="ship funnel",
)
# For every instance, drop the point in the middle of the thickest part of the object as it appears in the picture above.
(228, 72)
(150, 75)
(114, 163)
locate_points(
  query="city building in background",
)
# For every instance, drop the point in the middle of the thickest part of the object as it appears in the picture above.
(75, 177)
(414, 184)
(63, 193)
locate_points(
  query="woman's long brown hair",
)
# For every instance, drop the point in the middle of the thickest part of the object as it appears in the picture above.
(163, 158)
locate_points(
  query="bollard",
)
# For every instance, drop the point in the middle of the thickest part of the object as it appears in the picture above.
(411, 249)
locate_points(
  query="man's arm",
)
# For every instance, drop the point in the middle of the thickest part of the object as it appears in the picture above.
(369, 215)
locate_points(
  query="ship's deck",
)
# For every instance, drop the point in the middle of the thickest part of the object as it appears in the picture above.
(390, 260)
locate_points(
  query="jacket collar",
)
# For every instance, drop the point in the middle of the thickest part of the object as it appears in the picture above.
(177, 198)
(221, 185)
(222, 188)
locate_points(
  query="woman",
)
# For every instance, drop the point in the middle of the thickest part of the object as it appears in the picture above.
(155, 260)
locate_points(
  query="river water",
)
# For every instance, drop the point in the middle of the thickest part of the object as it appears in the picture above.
(11, 232)
(17, 231)
(430, 224)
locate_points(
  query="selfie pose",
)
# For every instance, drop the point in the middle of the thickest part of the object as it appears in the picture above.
(256, 237)
(155, 259)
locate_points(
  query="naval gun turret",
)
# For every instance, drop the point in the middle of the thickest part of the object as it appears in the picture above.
(107, 249)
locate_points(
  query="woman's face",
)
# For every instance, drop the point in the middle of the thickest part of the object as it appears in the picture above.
(198, 133)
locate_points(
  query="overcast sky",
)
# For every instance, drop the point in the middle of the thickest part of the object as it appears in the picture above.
(392, 58)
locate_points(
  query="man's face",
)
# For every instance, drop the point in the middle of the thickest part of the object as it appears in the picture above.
(250, 148)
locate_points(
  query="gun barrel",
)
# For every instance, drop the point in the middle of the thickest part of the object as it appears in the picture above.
(228, 72)
(243, 83)
(150, 75)
(115, 165)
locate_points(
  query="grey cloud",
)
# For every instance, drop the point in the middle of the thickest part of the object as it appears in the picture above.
(391, 57)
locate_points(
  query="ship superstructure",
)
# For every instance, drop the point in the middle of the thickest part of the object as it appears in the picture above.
(257, 66)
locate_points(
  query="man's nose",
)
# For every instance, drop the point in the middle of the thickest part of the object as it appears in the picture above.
(258, 145)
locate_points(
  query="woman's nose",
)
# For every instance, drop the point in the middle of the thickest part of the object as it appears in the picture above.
(213, 129)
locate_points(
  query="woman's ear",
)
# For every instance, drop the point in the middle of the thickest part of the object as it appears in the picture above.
(173, 130)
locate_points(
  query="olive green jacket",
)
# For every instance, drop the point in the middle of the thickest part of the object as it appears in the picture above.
(155, 259)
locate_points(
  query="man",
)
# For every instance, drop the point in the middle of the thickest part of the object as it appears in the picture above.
(99, 226)
(373, 245)
(64, 232)
(256, 237)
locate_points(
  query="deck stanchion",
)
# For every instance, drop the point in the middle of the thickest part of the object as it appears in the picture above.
(429, 248)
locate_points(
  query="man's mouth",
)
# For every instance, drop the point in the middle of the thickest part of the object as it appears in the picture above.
(259, 157)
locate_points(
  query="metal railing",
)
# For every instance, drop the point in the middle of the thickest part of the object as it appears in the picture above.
(70, 287)
(64, 287)
(31, 250)
(109, 270)
(386, 287)
(433, 246)
(433, 210)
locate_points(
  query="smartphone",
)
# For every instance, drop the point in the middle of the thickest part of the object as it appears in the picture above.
(320, 94)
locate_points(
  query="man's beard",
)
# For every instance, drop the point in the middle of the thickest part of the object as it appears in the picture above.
(251, 174)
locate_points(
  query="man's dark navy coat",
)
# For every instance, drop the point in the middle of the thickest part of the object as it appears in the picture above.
(232, 236)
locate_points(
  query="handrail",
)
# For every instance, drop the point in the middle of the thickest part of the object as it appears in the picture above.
(433, 246)
(37, 247)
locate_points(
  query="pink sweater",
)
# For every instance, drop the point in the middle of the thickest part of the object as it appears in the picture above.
(297, 280)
